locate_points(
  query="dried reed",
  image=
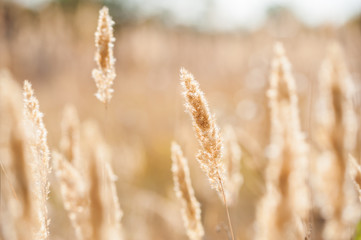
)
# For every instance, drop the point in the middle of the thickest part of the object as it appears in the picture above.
(104, 75)
(335, 195)
(17, 217)
(182, 185)
(74, 193)
(105, 212)
(73, 185)
(40, 158)
(207, 133)
(286, 204)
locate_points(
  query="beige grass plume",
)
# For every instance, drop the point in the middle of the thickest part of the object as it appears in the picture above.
(104, 75)
(73, 184)
(75, 197)
(286, 204)
(40, 158)
(182, 185)
(337, 127)
(18, 218)
(207, 133)
(105, 213)
(88, 183)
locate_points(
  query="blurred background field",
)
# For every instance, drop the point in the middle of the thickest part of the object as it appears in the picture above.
(51, 43)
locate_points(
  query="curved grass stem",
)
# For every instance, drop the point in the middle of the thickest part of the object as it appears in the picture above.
(226, 206)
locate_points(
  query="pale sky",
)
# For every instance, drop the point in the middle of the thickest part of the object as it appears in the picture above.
(230, 14)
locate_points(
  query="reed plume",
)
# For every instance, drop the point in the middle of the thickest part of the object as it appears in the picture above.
(207, 133)
(73, 185)
(286, 204)
(105, 212)
(74, 193)
(104, 75)
(17, 216)
(335, 195)
(88, 182)
(182, 186)
(206, 130)
(40, 158)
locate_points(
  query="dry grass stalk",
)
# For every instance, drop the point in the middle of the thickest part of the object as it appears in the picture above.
(113, 211)
(355, 171)
(182, 185)
(17, 217)
(97, 210)
(207, 133)
(232, 157)
(104, 75)
(74, 193)
(210, 154)
(73, 185)
(69, 143)
(285, 207)
(105, 212)
(336, 137)
(40, 158)
(89, 195)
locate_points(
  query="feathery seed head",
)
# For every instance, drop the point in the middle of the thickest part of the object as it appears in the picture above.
(337, 128)
(104, 75)
(206, 130)
(18, 214)
(41, 157)
(182, 185)
(74, 192)
(286, 202)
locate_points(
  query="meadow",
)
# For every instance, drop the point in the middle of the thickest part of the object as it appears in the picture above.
(264, 125)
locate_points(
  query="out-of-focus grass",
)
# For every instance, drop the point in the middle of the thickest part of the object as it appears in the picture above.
(54, 48)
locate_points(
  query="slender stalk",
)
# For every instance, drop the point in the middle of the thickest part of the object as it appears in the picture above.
(226, 206)
(207, 133)
(191, 211)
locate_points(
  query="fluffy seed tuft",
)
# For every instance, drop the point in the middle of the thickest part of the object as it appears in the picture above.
(104, 75)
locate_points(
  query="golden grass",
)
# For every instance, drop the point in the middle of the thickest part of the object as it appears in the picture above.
(183, 187)
(306, 192)
(73, 190)
(335, 194)
(40, 158)
(206, 130)
(207, 133)
(284, 210)
(104, 42)
(19, 218)
(87, 182)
